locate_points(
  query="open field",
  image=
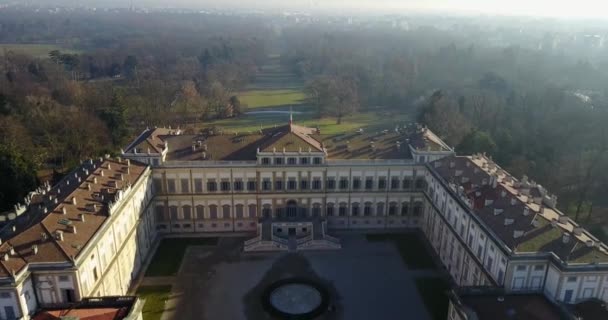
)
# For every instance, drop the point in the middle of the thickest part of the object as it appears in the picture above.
(276, 91)
(35, 50)
(271, 98)
(168, 256)
(155, 297)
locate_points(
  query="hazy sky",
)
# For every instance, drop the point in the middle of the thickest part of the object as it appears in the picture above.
(562, 8)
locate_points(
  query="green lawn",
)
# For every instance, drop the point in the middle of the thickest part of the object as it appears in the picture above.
(411, 248)
(373, 120)
(168, 257)
(35, 50)
(271, 98)
(433, 292)
(155, 297)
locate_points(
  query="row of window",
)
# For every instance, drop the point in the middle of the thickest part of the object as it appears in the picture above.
(292, 161)
(342, 209)
(291, 184)
(202, 225)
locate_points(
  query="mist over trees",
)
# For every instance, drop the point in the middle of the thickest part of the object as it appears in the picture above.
(534, 97)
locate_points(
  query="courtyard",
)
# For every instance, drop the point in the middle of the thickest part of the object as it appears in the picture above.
(366, 279)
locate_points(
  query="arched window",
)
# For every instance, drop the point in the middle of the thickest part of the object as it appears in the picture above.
(187, 211)
(173, 212)
(392, 208)
(342, 209)
(355, 209)
(252, 211)
(404, 208)
(316, 209)
(417, 209)
(380, 209)
(225, 211)
(239, 211)
(292, 209)
(367, 209)
(200, 212)
(213, 211)
(329, 209)
(266, 211)
(160, 213)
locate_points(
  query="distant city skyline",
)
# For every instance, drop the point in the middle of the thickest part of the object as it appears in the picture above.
(557, 8)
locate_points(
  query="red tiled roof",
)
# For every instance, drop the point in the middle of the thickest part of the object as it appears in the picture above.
(100, 182)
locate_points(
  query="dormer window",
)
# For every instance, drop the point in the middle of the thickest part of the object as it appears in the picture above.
(265, 161)
(278, 161)
(317, 160)
(291, 161)
(303, 161)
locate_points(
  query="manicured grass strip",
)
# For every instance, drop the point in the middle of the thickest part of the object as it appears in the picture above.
(370, 121)
(433, 293)
(168, 257)
(155, 297)
(271, 98)
(411, 248)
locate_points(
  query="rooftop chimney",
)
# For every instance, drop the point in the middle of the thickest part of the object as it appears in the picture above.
(59, 235)
(35, 249)
(81, 216)
(589, 243)
(577, 231)
(74, 202)
(64, 210)
(526, 211)
(72, 228)
(563, 219)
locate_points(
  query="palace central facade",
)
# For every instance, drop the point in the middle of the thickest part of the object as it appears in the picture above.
(289, 187)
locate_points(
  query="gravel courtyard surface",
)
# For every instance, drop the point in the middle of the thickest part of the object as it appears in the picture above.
(366, 280)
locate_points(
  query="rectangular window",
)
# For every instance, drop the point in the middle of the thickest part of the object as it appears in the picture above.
(303, 161)
(5, 295)
(238, 185)
(211, 186)
(356, 183)
(382, 183)
(331, 183)
(200, 212)
(407, 183)
(185, 184)
(317, 160)
(343, 183)
(316, 184)
(304, 184)
(251, 185)
(521, 267)
(278, 185)
(171, 185)
(292, 184)
(225, 186)
(278, 161)
(369, 183)
(198, 185)
(539, 267)
(291, 161)
(394, 183)
(265, 161)
(571, 279)
(64, 278)
(266, 184)
(158, 185)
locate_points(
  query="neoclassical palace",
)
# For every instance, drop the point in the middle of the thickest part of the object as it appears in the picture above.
(290, 187)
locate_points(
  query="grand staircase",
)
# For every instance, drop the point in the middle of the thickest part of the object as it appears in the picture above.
(267, 241)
